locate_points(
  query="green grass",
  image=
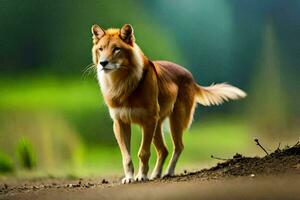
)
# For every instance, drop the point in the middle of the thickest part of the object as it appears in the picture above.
(44, 93)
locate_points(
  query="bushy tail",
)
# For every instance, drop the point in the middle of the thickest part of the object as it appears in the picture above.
(216, 94)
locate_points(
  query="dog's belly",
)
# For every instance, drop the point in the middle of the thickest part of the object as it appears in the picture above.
(128, 115)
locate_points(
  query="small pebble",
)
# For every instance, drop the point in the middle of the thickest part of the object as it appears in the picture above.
(252, 175)
(76, 185)
(104, 181)
(35, 187)
(90, 184)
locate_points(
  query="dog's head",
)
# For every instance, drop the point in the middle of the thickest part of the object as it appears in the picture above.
(115, 49)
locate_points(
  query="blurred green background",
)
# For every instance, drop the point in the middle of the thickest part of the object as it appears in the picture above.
(53, 121)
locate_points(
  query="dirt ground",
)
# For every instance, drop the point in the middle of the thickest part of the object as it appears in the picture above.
(275, 176)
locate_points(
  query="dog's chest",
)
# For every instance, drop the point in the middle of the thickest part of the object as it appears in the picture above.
(127, 115)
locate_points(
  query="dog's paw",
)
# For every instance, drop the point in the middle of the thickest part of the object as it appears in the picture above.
(168, 175)
(141, 177)
(127, 180)
(155, 176)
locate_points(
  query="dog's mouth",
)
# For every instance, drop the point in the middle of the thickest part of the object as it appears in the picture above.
(106, 69)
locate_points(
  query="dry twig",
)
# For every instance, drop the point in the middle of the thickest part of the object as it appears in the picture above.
(213, 157)
(258, 144)
(278, 148)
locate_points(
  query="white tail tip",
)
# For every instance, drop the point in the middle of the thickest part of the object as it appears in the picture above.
(216, 94)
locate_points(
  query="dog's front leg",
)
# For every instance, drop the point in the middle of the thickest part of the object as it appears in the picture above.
(144, 152)
(123, 133)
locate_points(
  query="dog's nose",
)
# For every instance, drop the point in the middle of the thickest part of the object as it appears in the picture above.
(104, 63)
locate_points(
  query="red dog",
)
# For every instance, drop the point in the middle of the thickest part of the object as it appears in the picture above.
(138, 90)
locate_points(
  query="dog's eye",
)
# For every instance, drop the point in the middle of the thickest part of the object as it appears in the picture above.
(116, 49)
(100, 49)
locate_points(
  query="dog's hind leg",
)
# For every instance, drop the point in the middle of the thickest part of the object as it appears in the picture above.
(176, 133)
(180, 119)
(161, 151)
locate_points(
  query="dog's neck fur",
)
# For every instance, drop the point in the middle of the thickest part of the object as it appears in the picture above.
(118, 85)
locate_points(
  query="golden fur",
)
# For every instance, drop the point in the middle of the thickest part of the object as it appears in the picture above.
(138, 90)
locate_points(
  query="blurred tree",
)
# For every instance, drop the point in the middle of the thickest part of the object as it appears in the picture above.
(55, 36)
(267, 102)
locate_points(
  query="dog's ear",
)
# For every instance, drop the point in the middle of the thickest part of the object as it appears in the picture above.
(126, 34)
(98, 32)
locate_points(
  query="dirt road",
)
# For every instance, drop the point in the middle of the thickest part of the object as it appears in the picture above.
(275, 176)
(264, 187)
